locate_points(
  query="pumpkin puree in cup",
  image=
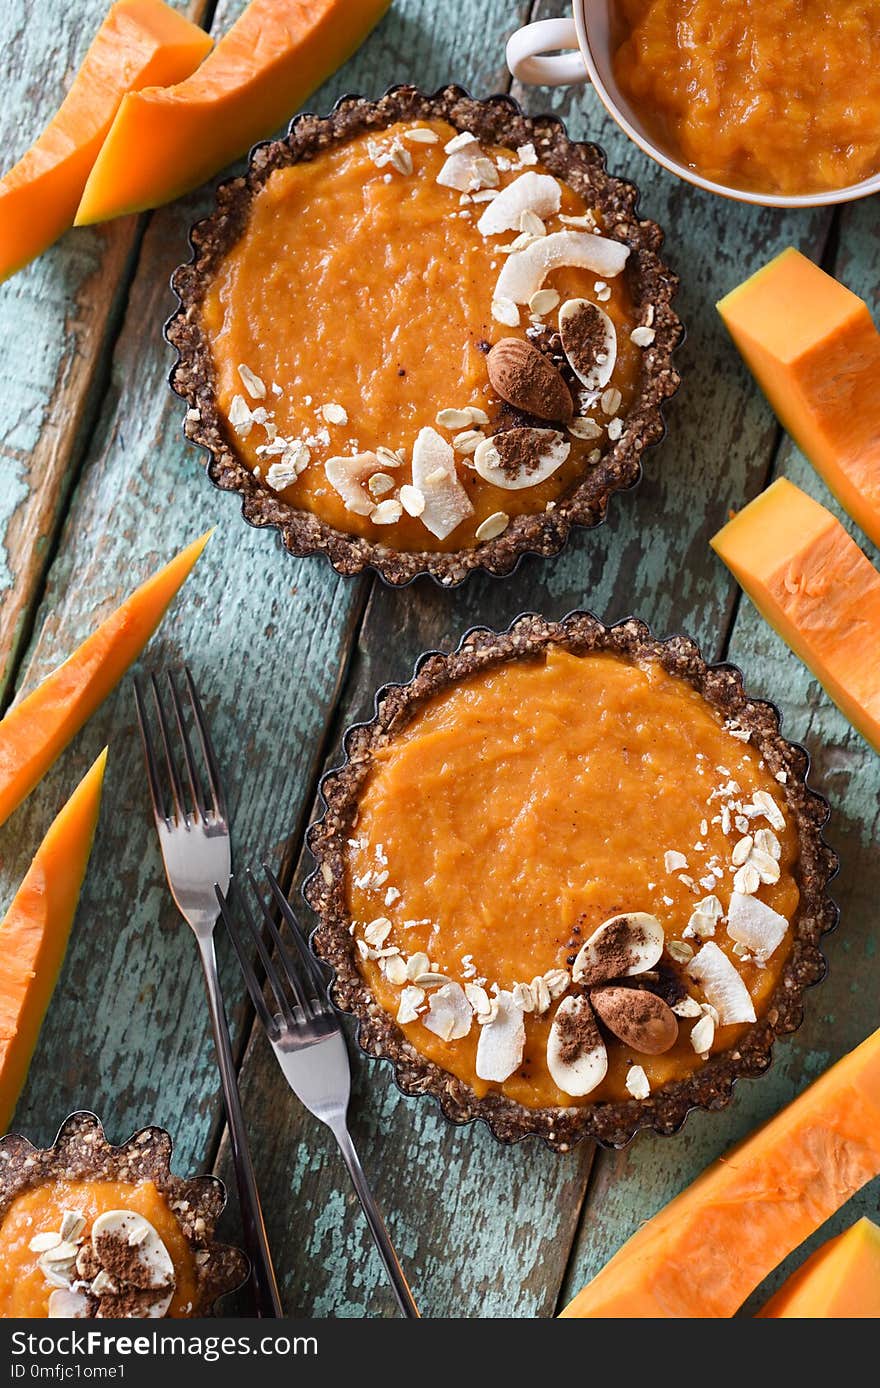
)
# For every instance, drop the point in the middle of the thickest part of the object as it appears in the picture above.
(524, 806)
(25, 1292)
(369, 290)
(778, 98)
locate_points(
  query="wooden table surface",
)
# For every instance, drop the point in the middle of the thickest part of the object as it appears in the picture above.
(98, 488)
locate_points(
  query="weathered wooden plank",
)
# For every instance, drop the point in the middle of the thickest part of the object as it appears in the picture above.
(56, 317)
(488, 1231)
(843, 1010)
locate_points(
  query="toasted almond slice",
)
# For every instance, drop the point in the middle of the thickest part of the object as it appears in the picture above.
(525, 271)
(755, 924)
(589, 340)
(347, 474)
(531, 192)
(449, 1013)
(521, 457)
(621, 947)
(576, 1054)
(68, 1305)
(722, 985)
(435, 476)
(502, 1041)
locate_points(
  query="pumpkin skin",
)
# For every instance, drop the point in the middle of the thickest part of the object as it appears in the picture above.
(35, 931)
(38, 728)
(841, 1281)
(813, 584)
(813, 348)
(140, 43)
(702, 1255)
(167, 140)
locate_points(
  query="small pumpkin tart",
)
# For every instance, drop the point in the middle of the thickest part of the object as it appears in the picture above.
(571, 880)
(425, 334)
(88, 1230)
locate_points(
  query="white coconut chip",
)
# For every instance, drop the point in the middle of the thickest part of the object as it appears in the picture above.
(449, 1013)
(531, 192)
(704, 918)
(596, 370)
(346, 474)
(579, 1075)
(502, 1041)
(525, 271)
(435, 476)
(637, 1082)
(550, 450)
(722, 984)
(756, 925)
(646, 937)
(467, 170)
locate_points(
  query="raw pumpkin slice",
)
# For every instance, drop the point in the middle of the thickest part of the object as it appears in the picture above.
(140, 43)
(35, 930)
(841, 1281)
(702, 1255)
(37, 729)
(813, 584)
(815, 352)
(166, 140)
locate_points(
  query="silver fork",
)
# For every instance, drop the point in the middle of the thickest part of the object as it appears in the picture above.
(194, 839)
(307, 1039)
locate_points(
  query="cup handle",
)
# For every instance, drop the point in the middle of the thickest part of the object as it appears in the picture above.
(527, 51)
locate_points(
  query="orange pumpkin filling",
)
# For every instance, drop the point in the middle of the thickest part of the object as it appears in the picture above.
(357, 310)
(781, 98)
(24, 1287)
(520, 810)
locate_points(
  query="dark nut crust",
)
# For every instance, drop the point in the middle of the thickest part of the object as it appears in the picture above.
(610, 1124)
(500, 120)
(82, 1152)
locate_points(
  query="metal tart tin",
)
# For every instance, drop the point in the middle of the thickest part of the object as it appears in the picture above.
(583, 166)
(610, 1124)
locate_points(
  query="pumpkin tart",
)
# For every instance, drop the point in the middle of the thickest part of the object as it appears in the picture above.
(571, 880)
(425, 334)
(88, 1230)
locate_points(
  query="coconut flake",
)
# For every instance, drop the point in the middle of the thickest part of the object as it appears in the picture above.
(435, 476)
(531, 192)
(547, 451)
(704, 918)
(449, 1013)
(755, 924)
(637, 1082)
(525, 271)
(576, 1055)
(346, 474)
(467, 169)
(722, 984)
(589, 340)
(502, 1041)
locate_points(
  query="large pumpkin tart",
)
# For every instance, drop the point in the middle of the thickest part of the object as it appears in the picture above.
(426, 334)
(571, 880)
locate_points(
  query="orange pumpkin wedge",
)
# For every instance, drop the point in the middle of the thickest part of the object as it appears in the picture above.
(140, 43)
(702, 1255)
(814, 350)
(841, 1281)
(35, 931)
(813, 584)
(167, 140)
(37, 729)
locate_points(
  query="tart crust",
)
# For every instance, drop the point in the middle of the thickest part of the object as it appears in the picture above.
(612, 1124)
(496, 120)
(81, 1152)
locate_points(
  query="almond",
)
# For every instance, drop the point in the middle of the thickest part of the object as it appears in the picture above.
(640, 1019)
(528, 380)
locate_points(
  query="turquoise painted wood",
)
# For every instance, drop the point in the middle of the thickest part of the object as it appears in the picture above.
(288, 654)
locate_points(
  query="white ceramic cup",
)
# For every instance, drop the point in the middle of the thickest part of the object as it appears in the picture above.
(534, 59)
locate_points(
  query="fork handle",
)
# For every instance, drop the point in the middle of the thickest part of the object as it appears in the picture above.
(263, 1280)
(377, 1225)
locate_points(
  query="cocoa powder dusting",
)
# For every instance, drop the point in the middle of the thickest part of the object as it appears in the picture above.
(613, 951)
(584, 337)
(516, 450)
(577, 1032)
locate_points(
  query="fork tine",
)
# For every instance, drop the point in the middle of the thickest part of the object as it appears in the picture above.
(195, 781)
(226, 902)
(156, 795)
(291, 973)
(319, 982)
(281, 997)
(174, 779)
(215, 780)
